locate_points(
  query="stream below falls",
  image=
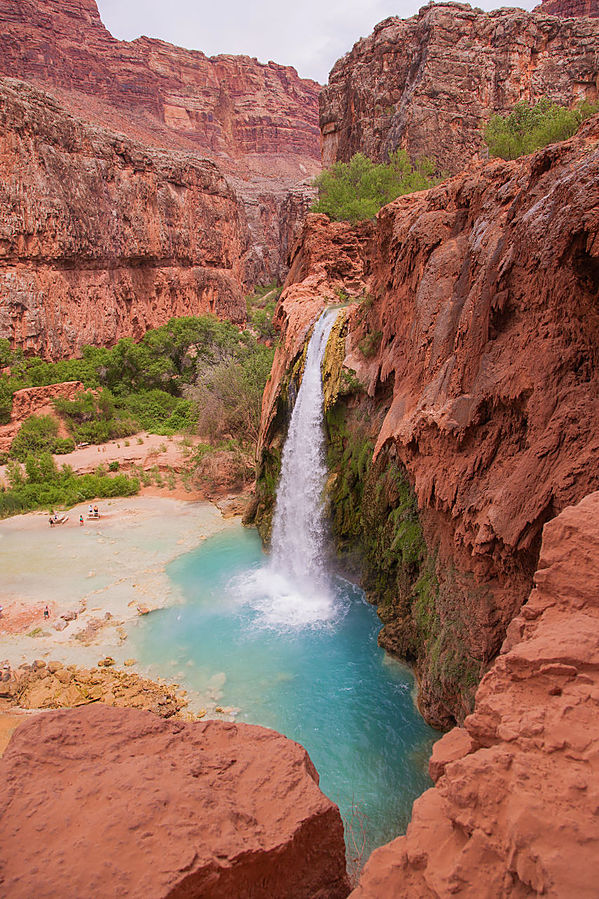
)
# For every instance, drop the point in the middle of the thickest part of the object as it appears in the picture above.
(319, 679)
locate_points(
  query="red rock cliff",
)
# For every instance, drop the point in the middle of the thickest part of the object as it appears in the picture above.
(428, 83)
(479, 297)
(569, 8)
(258, 121)
(102, 237)
(514, 809)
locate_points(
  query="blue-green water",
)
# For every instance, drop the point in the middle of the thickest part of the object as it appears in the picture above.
(326, 684)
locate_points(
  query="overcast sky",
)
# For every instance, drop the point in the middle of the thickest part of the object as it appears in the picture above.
(308, 34)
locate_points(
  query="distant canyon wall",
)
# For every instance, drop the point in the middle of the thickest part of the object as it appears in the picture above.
(428, 83)
(186, 182)
(102, 237)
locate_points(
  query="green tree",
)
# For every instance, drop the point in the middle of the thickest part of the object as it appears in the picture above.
(356, 190)
(528, 128)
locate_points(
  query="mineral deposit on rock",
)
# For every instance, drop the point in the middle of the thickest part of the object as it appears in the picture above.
(117, 802)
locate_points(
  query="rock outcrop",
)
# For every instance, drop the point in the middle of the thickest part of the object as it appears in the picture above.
(569, 8)
(428, 83)
(514, 809)
(258, 122)
(131, 804)
(471, 365)
(101, 237)
(34, 401)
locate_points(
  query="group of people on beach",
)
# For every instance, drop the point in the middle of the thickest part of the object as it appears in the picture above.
(92, 514)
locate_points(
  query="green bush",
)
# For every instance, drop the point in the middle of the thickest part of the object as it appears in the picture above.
(37, 434)
(114, 466)
(528, 128)
(64, 445)
(356, 190)
(46, 486)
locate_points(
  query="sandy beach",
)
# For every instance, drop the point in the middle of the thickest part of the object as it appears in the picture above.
(93, 578)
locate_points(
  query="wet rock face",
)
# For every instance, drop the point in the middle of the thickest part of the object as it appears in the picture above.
(428, 83)
(258, 122)
(513, 812)
(102, 237)
(131, 804)
(481, 294)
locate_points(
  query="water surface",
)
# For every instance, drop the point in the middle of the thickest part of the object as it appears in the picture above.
(324, 683)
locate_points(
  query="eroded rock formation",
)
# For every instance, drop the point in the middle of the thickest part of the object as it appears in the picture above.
(569, 8)
(514, 809)
(258, 122)
(131, 804)
(34, 401)
(101, 237)
(428, 83)
(471, 366)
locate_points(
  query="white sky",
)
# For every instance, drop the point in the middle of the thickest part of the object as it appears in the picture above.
(310, 35)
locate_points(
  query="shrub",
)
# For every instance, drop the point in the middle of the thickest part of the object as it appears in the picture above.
(356, 190)
(114, 466)
(37, 435)
(64, 445)
(528, 128)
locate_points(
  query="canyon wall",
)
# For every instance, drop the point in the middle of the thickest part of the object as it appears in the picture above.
(258, 122)
(429, 83)
(568, 8)
(514, 809)
(462, 396)
(102, 237)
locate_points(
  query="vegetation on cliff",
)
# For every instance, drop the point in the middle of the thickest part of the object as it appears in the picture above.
(375, 518)
(356, 190)
(528, 127)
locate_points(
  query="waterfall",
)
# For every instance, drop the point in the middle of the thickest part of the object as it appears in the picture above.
(292, 590)
(298, 525)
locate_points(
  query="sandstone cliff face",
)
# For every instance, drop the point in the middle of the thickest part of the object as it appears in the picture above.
(259, 122)
(514, 809)
(428, 83)
(131, 804)
(101, 237)
(569, 8)
(472, 362)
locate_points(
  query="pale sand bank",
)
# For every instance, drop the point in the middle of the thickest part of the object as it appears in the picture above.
(111, 567)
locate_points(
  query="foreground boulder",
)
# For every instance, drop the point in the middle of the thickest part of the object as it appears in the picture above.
(515, 810)
(109, 802)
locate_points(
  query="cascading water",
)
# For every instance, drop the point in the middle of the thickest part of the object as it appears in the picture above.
(298, 524)
(292, 590)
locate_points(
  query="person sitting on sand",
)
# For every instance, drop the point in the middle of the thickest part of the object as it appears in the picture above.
(96, 512)
(51, 522)
(46, 612)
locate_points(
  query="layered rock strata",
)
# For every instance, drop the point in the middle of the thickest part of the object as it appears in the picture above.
(470, 364)
(131, 804)
(258, 122)
(514, 809)
(429, 83)
(569, 8)
(101, 237)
